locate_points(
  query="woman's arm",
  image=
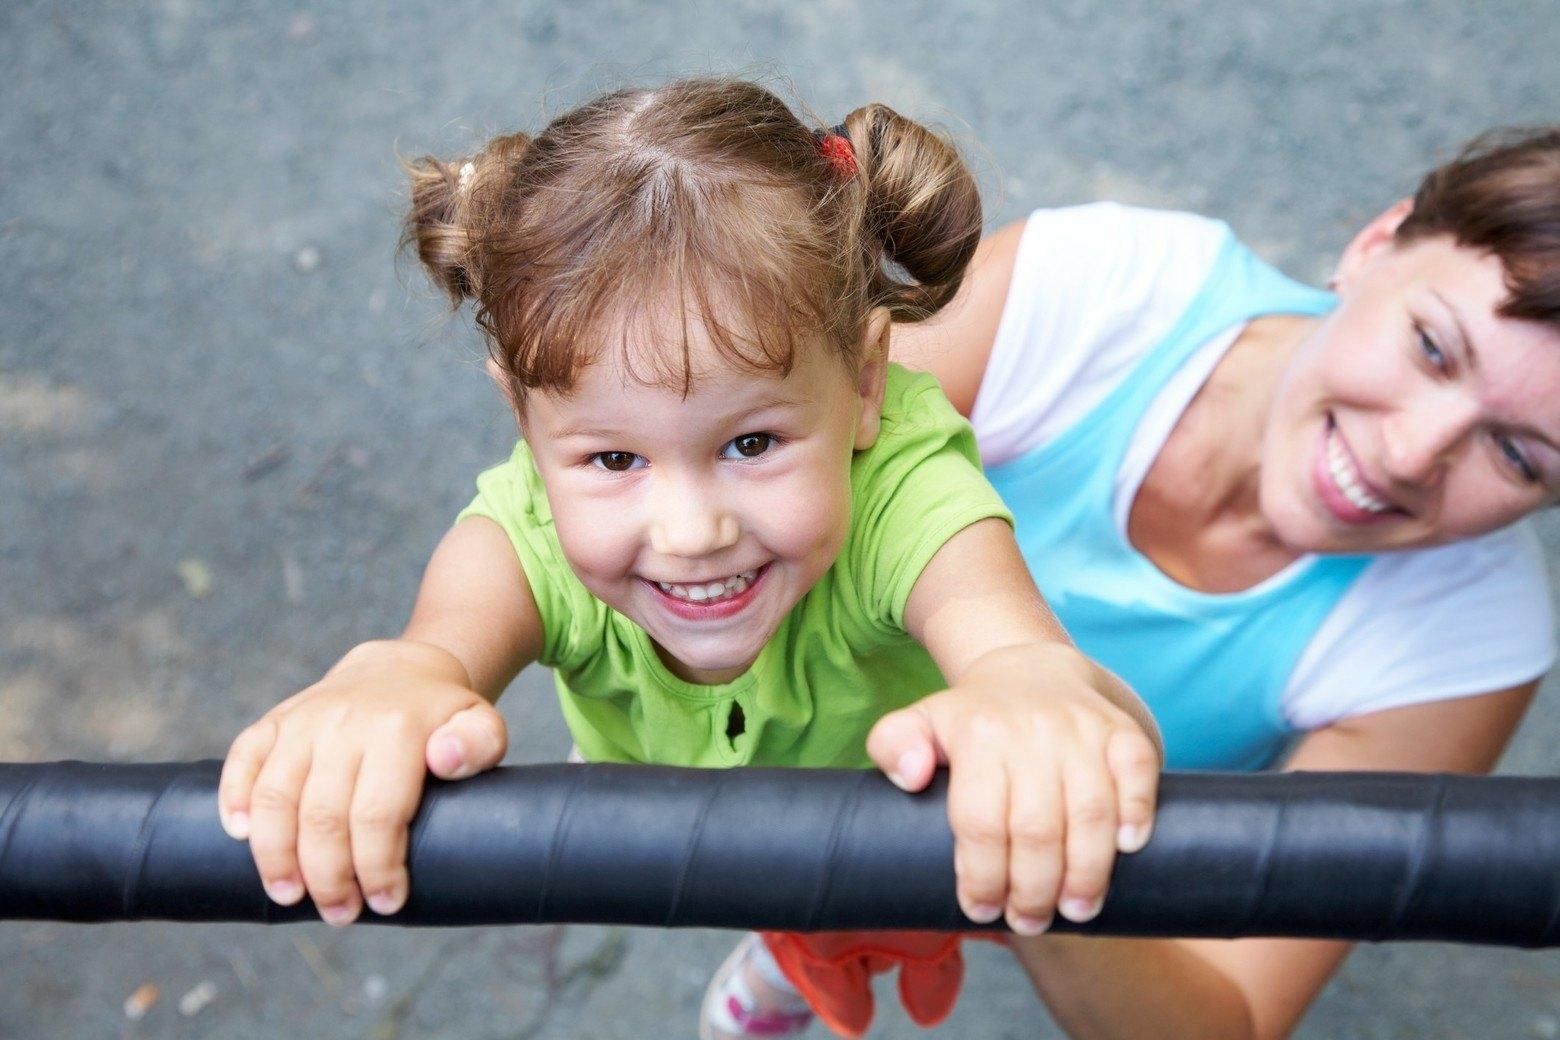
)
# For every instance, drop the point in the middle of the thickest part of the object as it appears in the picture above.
(1116, 989)
(955, 344)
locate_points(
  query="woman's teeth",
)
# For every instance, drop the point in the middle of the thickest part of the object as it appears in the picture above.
(704, 592)
(1348, 478)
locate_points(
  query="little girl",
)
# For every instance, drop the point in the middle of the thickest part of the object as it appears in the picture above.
(736, 532)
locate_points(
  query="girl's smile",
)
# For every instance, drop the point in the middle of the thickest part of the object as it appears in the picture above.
(704, 516)
(711, 600)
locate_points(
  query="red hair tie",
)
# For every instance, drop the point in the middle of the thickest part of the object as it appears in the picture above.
(836, 148)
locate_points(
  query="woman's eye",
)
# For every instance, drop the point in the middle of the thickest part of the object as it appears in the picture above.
(748, 446)
(1432, 353)
(1516, 460)
(616, 461)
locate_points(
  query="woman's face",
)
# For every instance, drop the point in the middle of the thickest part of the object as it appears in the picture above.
(1414, 414)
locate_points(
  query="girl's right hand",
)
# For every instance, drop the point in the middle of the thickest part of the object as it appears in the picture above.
(325, 784)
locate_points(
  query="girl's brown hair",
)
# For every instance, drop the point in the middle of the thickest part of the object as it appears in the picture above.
(1502, 195)
(647, 210)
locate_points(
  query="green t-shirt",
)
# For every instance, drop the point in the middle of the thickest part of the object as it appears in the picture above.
(840, 659)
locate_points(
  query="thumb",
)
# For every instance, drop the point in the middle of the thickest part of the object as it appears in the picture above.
(468, 742)
(904, 745)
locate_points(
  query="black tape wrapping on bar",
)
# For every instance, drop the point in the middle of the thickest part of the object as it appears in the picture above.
(1366, 856)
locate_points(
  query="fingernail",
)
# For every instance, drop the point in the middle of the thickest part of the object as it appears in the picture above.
(286, 891)
(1131, 838)
(983, 914)
(453, 758)
(1028, 925)
(237, 825)
(1081, 910)
(903, 769)
(384, 903)
(338, 915)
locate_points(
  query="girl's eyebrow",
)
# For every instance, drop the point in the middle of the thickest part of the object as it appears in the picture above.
(592, 427)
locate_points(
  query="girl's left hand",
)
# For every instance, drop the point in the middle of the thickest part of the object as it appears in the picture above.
(1048, 779)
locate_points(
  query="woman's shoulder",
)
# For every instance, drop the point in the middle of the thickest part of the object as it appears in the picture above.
(1093, 289)
(1428, 624)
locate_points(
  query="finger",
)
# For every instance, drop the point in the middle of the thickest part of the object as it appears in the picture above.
(324, 839)
(1090, 796)
(244, 759)
(1134, 763)
(472, 740)
(273, 820)
(978, 816)
(903, 744)
(389, 784)
(1036, 831)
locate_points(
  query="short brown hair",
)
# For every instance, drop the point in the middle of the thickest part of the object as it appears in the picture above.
(709, 197)
(1501, 194)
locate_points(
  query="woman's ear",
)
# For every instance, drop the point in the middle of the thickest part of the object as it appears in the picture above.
(1368, 244)
(871, 377)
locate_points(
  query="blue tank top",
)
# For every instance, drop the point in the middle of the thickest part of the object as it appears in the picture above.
(1211, 667)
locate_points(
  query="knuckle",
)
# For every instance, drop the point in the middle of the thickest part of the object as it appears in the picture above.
(376, 816)
(1036, 835)
(1135, 752)
(1092, 812)
(273, 798)
(323, 820)
(981, 831)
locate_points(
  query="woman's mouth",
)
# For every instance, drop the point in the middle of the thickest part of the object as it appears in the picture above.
(1343, 489)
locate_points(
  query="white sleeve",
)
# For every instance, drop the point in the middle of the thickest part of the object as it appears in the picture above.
(1427, 625)
(1094, 288)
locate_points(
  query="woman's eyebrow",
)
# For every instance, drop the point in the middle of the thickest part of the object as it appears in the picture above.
(1551, 441)
(1462, 330)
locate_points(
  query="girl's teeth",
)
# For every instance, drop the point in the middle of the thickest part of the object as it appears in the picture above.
(1347, 479)
(707, 591)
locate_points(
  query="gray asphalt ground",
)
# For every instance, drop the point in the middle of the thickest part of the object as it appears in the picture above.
(231, 427)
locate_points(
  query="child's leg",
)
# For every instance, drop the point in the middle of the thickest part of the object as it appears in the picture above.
(751, 997)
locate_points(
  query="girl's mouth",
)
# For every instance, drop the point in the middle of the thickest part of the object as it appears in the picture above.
(710, 600)
(1343, 489)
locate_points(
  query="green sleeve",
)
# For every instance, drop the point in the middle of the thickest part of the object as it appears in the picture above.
(915, 488)
(511, 495)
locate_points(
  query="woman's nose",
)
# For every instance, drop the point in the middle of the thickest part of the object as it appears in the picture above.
(1421, 441)
(691, 524)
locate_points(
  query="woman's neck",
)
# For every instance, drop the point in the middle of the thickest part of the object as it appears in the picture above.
(1197, 515)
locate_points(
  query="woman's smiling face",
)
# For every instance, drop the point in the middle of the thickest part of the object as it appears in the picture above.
(1413, 414)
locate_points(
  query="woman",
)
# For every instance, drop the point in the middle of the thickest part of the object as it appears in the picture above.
(1288, 518)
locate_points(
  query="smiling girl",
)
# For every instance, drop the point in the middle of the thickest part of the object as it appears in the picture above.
(735, 531)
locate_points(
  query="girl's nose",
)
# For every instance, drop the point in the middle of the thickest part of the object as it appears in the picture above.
(686, 525)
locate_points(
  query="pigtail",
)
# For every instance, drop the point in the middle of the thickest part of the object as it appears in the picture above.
(451, 205)
(922, 210)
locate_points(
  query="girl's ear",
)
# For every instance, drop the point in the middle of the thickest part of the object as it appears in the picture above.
(871, 376)
(1372, 239)
(505, 386)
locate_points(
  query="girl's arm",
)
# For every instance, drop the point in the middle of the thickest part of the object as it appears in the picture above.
(325, 784)
(1118, 989)
(1053, 760)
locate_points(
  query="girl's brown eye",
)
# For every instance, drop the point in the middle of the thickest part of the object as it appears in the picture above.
(616, 461)
(749, 445)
